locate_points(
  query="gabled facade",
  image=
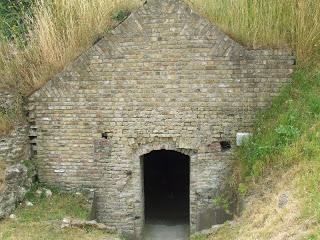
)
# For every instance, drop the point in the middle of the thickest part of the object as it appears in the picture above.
(164, 79)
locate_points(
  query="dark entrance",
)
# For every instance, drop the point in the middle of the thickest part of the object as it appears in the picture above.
(166, 187)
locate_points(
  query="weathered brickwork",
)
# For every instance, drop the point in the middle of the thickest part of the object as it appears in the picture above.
(14, 147)
(7, 99)
(163, 79)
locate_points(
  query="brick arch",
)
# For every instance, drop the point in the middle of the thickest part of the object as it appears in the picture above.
(167, 145)
(137, 179)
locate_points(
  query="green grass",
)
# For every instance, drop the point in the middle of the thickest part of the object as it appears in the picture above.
(286, 142)
(291, 115)
(12, 18)
(43, 220)
(300, 177)
(309, 181)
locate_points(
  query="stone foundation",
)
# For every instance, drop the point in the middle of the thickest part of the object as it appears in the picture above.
(16, 184)
(15, 147)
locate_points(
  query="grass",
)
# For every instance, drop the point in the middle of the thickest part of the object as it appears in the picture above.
(274, 23)
(43, 220)
(12, 17)
(290, 116)
(286, 140)
(60, 31)
(283, 156)
(300, 218)
(57, 33)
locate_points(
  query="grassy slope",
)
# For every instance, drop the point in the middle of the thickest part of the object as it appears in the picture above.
(283, 157)
(43, 220)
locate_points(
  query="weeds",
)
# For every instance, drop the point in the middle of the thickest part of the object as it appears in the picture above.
(121, 15)
(12, 18)
(43, 220)
(291, 114)
(222, 202)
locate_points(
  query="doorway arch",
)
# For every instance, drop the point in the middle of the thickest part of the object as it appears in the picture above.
(166, 190)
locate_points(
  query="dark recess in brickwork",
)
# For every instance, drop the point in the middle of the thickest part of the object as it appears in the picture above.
(105, 135)
(225, 146)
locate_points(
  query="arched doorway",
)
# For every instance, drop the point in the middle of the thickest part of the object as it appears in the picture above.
(166, 184)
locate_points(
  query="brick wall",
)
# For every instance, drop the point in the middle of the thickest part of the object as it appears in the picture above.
(14, 147)
(6, 99)
(163, 79)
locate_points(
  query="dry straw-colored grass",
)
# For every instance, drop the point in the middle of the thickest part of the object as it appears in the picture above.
(5, 125)
(2, 174)
(64, 29)
(273, 23)
(262, 217)
(58, 33)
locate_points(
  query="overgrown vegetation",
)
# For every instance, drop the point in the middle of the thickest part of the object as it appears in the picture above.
(273, 23)
(282, 157)
(12, 18)
(57, 32)
(43, 220)
(291, 115)
(44, 37)
(38, 40)
(298, 180)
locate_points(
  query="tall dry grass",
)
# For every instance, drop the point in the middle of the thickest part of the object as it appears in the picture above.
(60, 31)
(5, 125)
(269, 23)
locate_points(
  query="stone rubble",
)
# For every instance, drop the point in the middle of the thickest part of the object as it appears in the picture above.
(15, 187)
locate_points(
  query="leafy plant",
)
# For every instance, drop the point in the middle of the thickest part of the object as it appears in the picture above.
(242, 189)
(291, 114)
(13, 22)
(121, 15)
(286, 134)
(222, 202)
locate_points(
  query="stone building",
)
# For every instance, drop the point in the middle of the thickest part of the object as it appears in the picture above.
(148, 116)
